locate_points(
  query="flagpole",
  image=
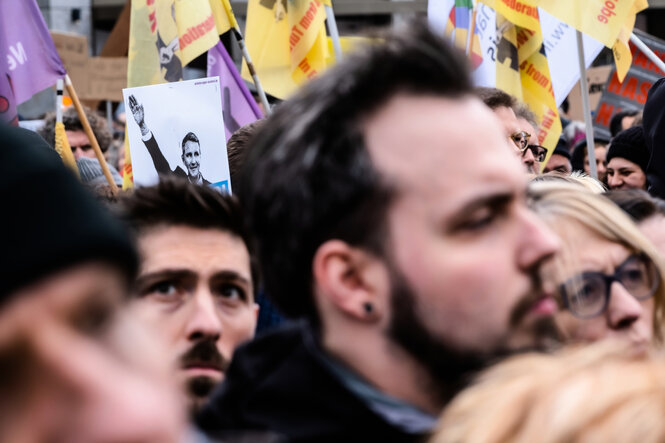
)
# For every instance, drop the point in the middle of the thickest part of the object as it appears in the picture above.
(472, 26)
(647, 51)
(245, 54)
(334, 33)
(590, 145)
(88, 131)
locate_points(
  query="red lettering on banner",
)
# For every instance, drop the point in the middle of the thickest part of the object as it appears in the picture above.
(604, 114)
(153, 21)
(629, 88)
(644, 91)
(304, 23)
(150, 2)
(614, 86)
(523, 36)
(607, 11)
(196, 32)
(521, 8)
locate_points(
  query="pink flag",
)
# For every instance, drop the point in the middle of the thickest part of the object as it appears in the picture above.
(30, 61)
(238, 105)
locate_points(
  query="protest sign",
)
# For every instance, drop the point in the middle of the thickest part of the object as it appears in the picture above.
(107, 78)
(73, 51)
(597, 81)
(632, 92)
(177, 128)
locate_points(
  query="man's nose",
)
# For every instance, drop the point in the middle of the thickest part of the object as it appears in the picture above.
(204, 321)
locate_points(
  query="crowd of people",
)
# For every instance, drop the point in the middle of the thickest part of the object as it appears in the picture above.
(401, 261)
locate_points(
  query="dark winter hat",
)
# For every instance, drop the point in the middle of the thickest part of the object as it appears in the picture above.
(630, 144)
(579, 152)
(49, 220)
(562, 148)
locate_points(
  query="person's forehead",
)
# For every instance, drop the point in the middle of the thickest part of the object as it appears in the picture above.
(620, 162)
(584, 249)
(202, 251)
(528, 127)
(77, 137)
(191, 145)
(508, 119)
(441, 147)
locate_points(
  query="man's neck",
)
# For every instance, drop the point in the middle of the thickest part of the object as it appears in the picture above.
(387, 367)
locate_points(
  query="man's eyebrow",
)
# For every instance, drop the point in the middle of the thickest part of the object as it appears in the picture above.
(494, 200)
(227, 275)
(165, 274)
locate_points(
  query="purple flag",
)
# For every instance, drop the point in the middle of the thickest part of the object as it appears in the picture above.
(238, 105)
(30, 62)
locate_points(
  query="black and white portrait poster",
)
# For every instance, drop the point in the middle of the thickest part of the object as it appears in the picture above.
(177, 129)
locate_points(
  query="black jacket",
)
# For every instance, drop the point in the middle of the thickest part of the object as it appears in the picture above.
(653, 122)
(279, 383)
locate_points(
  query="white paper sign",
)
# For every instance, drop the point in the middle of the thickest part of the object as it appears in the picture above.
(177, 129)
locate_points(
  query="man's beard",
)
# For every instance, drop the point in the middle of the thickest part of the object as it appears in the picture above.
(199, 388)
(450, 369)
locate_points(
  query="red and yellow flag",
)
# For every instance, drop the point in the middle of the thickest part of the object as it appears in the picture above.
(287, 42)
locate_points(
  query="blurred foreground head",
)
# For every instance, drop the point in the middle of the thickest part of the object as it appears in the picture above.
(609, 276)
(72, 367)
(383, 217)
(591, 394)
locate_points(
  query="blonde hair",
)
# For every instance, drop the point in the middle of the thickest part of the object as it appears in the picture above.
(558, 202)
(592, 394)
(574, 178)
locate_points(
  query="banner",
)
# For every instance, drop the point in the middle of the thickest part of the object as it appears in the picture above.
(632, 92)
(30, 62)
(601, 19)
(287, 42)
(163, 37)
(238, 105)
(621, 50)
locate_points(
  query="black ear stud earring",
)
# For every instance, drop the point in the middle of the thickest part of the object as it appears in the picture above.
(368, 307)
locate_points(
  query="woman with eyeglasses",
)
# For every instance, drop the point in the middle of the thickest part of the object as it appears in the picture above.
(608, 276)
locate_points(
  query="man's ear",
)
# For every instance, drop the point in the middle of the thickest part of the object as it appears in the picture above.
(352, 279)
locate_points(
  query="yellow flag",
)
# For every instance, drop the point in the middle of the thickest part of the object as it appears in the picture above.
(523, 13)
(287, 42)
(522, 71)
(601, 19)
(166, 35)
(623, 58)
(62, 147)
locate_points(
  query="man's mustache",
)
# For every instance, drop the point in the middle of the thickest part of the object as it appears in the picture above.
(204, 354)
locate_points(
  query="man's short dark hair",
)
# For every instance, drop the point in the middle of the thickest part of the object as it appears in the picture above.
(190, 137)
(237, 146)
(495, 98)
(616, 122)
(177, 202)
(638, 204)
(309, 177)
(72, 122)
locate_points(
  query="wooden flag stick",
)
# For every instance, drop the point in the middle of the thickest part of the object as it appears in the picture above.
(90, 134)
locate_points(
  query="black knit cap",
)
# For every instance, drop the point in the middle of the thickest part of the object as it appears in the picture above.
(49, 221)
(631, 145)
(561, 148)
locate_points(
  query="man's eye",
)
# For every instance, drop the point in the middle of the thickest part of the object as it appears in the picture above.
(480, 220)
(231, 292)
(163, 289)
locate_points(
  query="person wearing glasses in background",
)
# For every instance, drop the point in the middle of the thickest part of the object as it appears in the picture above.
(521, 133)
(608, 274)
(533, 154)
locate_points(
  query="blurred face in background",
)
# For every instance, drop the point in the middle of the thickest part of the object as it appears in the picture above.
(596, 307)
(601, 163)
(74, 368)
